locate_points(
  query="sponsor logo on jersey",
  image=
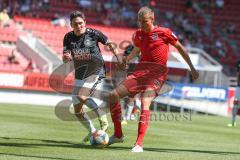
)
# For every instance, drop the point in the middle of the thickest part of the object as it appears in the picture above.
(88, 43)
(155, 36)
(81, 51)
(83, 56)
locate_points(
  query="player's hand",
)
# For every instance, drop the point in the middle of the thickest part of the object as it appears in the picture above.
(195, 74)
(66, 57)
(120, 64)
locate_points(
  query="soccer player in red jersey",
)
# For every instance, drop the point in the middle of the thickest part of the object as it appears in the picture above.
(152, 42)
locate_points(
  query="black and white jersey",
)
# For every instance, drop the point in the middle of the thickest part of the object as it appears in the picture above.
(86, 53)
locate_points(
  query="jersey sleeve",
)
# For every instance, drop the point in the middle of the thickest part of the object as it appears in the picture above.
(169, 37)
(100, 37)
(136, 38)
(66, 45)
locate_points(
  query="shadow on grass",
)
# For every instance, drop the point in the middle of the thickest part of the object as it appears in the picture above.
(40, 143)
(67, 144)
(31, 156)
(191, 150)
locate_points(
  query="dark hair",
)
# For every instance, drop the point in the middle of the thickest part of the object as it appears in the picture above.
(76, 14)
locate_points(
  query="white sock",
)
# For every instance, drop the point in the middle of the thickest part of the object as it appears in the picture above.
(129, 111)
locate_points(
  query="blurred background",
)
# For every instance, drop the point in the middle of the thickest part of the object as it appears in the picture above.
(31, 35)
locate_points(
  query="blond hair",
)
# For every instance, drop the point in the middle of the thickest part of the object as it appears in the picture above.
(145, 11)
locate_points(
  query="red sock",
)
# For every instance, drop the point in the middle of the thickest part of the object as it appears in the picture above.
(142, 126)
(116, 118)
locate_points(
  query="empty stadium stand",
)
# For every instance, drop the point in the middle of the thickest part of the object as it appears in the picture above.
(10, 64)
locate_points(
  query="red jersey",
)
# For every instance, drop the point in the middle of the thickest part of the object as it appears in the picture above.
(154, 48)
(154, 45)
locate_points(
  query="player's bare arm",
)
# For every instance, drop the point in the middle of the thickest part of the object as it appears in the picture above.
(135, 52)
(115, 52)
(186, 57)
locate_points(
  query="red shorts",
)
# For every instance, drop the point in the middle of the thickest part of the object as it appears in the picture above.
(135, 84)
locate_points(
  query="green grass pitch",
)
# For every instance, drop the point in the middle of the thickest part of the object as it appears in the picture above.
(34, 132)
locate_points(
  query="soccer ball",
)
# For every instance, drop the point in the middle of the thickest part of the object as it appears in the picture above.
(99, 139)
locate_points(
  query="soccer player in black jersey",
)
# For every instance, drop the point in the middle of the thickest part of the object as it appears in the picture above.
(81, 47)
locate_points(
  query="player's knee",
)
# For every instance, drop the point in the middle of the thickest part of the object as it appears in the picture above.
(78, 110)
(82, 99)
(78, 100)
(145, 104)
